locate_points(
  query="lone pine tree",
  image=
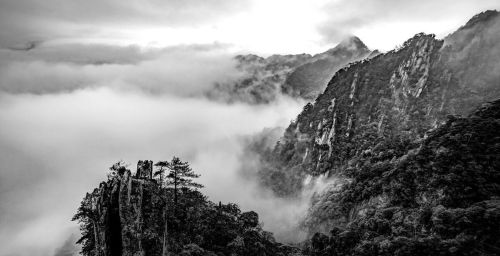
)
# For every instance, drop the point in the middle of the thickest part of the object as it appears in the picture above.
(180, 176)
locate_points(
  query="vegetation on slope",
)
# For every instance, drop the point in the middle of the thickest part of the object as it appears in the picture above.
(440, 196)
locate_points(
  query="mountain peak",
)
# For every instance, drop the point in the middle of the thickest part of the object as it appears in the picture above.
(352, 42)
(482, 17)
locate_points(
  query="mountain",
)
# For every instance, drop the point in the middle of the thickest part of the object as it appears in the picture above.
(260, 80)
(302, 76)
(400, 94)
(141, 214)
(309, 80)
(436, 196)
(408, 143)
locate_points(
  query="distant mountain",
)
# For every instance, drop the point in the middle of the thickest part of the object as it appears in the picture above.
(309, 80)
(261, 78)
(302, 76)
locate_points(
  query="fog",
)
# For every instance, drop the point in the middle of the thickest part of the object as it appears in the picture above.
(64, 122)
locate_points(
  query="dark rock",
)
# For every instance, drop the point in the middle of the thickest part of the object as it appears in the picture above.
(144, 169)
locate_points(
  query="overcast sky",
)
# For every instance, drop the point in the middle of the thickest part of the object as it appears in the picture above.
(260, 26)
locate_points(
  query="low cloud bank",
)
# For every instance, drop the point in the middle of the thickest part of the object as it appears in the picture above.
(182, 71)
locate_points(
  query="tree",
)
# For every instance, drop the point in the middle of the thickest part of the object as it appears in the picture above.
(88, 217)
(180, 176)
(162, 167)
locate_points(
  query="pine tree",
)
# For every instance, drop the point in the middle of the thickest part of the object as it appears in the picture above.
(180, 176)
(162, 166)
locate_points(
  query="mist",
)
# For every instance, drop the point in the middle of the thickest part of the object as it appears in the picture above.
(64, 122)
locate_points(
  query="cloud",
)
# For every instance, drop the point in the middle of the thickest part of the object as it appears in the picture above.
(30, 20)
(182, 70)
(381, 20)
(65, 121)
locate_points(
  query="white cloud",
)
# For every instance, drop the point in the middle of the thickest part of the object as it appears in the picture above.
(186, 71)
(56, 147)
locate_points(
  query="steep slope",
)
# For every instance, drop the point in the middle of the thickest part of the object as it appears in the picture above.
(400, 94)
(439, 196)
(303, 76)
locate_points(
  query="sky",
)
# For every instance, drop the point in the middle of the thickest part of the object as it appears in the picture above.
(258, 26)
(84, 84)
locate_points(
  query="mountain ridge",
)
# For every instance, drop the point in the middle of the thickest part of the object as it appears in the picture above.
(301, 76)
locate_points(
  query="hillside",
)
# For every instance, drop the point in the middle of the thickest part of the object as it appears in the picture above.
(439, 196)
(403, 93)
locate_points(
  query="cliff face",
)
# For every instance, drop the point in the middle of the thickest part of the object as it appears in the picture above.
(126, 212)
(402, 93)
(136, 215)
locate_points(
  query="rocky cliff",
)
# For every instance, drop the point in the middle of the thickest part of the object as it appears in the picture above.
(436, 196)
(400, 94)
(137, 215)
(123, 214)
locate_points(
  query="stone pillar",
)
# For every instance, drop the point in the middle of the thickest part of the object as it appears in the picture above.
(144, 169)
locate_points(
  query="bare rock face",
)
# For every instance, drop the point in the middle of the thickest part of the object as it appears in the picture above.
(403, 93)
(126, 216)
(135, 215)
(144, 169)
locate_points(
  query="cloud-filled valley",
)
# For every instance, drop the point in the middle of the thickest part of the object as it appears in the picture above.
(66, 120)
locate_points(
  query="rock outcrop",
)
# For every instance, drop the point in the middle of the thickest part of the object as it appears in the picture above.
(136, 215)
(124, 215)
